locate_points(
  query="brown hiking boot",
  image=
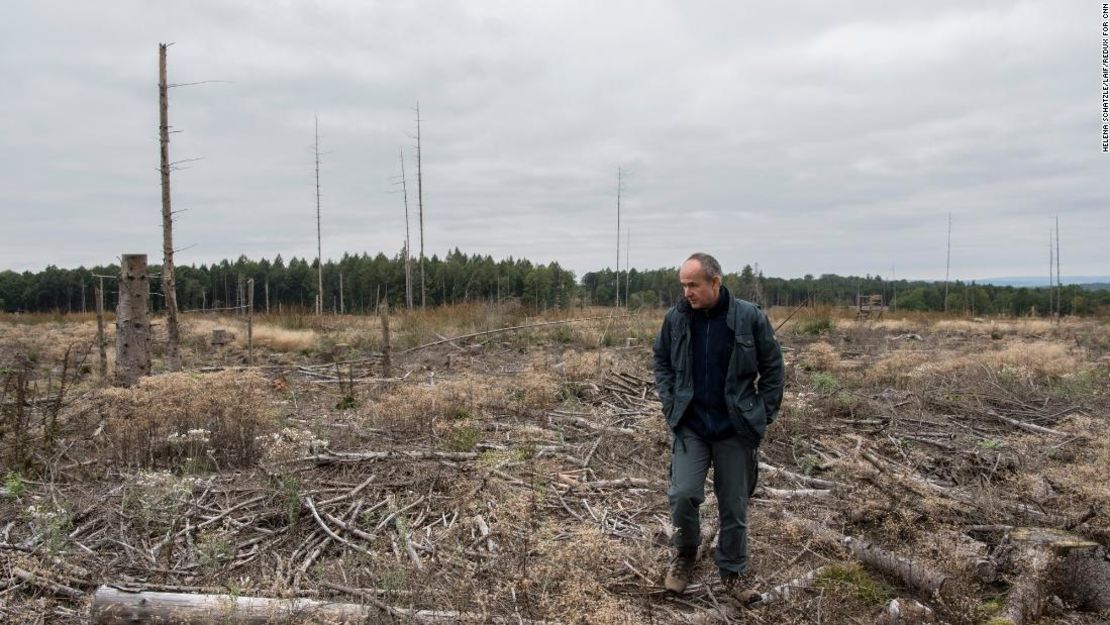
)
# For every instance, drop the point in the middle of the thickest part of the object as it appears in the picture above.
(679, 571)
(739, 587)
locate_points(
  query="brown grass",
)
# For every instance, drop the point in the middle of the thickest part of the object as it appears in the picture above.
(180, 419)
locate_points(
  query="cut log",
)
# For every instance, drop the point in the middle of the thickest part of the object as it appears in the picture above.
(1047, 563)
(116, 607)
(112, 606)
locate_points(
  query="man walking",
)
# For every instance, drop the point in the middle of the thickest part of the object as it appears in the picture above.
(719, 374)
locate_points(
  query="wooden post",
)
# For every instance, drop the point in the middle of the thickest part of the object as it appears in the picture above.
(342, 307)
(387, 350)
(169, 287)
(266, 286)
(133, 320)
(250, 322)
(100, 342)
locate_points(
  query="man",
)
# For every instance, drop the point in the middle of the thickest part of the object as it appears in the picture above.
(719, 374)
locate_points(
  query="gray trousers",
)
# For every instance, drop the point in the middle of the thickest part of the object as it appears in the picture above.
(735, 470)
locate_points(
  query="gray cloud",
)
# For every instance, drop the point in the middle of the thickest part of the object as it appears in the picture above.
(807, 137)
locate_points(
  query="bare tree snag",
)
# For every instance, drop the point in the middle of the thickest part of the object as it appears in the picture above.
(173, 334)
(250, 322)
(319, 240)
(100, 340)
(620, 175)
(133, 320)
(1047, 563)
(408, 241)
(420, 205)
(387, 350)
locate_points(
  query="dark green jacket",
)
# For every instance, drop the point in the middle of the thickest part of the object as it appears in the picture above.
(753, 384)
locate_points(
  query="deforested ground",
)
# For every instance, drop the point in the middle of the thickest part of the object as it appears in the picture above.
(521, 476)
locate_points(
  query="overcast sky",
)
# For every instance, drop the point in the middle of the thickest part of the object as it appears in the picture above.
(807, 137)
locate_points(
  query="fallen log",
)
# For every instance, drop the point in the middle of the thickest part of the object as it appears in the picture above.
(916, 575)
(112, 606)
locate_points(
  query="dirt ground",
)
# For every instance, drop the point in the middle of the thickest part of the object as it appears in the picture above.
(521, 476)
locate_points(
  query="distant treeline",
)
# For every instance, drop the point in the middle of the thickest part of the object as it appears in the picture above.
(281, 285)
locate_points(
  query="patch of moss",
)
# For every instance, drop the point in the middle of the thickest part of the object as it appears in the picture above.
(853, 576)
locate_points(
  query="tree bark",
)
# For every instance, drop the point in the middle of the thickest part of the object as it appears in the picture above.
(133, 321)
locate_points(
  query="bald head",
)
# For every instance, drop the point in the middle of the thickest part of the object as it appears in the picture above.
(700, 276)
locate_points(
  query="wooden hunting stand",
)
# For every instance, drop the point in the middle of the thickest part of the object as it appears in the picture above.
(869, 306)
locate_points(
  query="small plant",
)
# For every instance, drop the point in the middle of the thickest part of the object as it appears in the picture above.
(154, 500)
(212, 549)
(815, 326)
(824, 382)
(462, 439)
(14, 486)
(289, 493)
(991, 444)
(525, 452)
(347, 403)
(50, 526)
(996, 335)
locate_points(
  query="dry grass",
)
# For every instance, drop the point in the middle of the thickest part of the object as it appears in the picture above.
(180, 419)
(821, 356)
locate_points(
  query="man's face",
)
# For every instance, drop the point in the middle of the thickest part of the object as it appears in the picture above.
(701, 293)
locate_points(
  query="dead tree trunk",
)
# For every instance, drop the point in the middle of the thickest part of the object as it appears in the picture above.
(116, 607)
(420, 206)
(1048, 563)
(250, 322)
(319, 239)
(914, 574)
(173, 335)
(133, 321)
(408, 240)
(387, 350)
(100, 341)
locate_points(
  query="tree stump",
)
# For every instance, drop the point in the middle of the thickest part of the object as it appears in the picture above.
(221, 337)
(133, 321)
(1047, 563)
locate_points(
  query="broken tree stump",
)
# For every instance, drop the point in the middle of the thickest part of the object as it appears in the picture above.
(133, 335)
(1046, 563)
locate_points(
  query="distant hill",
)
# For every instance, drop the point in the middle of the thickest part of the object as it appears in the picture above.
(1090, 282)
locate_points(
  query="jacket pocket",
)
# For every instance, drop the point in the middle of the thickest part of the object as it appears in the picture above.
(745, 354)
(754, 415)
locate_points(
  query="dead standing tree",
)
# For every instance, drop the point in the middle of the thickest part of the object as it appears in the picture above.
(319, 244)
(408, 241)
(173, 335)
(133, 320)
(420, 206)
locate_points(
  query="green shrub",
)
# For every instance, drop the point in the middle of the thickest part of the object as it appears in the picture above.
(824, 382)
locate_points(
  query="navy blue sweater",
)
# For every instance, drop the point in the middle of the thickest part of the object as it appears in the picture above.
(712, 342)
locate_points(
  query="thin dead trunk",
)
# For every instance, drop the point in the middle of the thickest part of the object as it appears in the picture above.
(173, 335)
